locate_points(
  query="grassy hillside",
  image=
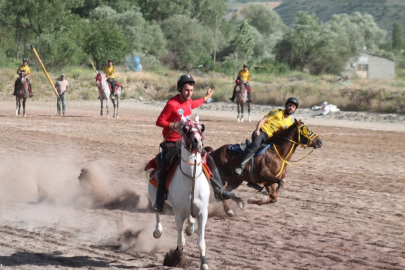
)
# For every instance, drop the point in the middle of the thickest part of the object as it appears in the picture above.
(385, 12)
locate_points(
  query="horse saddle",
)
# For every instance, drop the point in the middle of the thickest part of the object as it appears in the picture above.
(154, 166)
(241, 148)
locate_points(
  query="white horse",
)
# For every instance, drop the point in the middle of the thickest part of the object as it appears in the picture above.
(189, 191)
(242, 99)
(104, 94)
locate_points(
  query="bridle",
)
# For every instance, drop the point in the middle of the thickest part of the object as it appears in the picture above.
(307, 133)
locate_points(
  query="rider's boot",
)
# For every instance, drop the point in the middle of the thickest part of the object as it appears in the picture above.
(249, 96)
(160, 194)
(242, 165)
(216, 183)
(30, 90)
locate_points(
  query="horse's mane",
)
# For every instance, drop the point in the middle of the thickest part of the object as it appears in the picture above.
(103, 75)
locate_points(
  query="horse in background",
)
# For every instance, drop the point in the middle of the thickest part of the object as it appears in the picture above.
(189, 191)
(269, 165)
(22, 93)
(241, 99)
(104, 90)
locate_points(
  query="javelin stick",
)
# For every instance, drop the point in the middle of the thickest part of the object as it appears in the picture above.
(46, 73)
(93, 66)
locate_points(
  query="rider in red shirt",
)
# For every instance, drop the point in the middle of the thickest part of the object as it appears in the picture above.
(170, 120)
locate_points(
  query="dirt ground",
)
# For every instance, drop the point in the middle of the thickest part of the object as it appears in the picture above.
(341, 208)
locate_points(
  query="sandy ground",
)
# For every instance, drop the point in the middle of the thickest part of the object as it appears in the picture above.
(341, 208)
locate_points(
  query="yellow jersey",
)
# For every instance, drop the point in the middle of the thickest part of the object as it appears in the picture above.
(245, 75)
(276, 122)
(109, 71)
(24, 68)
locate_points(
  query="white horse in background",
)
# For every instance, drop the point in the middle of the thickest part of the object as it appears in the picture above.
(189, 191)
(104, 94)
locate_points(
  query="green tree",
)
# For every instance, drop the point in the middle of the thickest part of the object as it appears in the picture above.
(397, 42)
(242, 44)
(160, 10)
(188, 41)
(105, 41)
(305, 42)
(265, 20)
(208, 12)
(35, 18)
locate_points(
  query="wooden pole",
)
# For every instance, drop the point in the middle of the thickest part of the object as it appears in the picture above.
(46, 73)
(93, 66)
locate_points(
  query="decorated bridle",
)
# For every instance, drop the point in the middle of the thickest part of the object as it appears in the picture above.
(99, 80)
(304, 131)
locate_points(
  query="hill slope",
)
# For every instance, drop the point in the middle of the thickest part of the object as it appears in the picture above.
(385, 12)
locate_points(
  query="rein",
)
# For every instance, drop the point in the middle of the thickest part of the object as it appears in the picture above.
(293, 146)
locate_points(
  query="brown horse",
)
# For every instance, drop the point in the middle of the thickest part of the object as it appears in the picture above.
(21, 93)
(269, 168)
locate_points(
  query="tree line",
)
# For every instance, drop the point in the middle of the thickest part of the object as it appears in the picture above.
(184, 34)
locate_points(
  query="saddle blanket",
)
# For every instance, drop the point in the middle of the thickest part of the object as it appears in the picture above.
(152, 168)
(240, 148)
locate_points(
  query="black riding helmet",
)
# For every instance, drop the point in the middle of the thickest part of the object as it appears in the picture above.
(183, 80)
(245, 65)
(109, 60)
(25, 60)
(292, 100)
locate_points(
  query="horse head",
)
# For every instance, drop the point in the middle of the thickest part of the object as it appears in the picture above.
(99, 79)
(22, 76)
(193, 134)
(305, 136)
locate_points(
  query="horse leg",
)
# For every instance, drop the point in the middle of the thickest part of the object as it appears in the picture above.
(118, 103)
(17, 111)
(23, 103)
(250, 119)
(237, 105)
(113, 102)
(157, 233)
(106, 107)
(181, 241)
(101, 101)
(241, 117)
(272, 190)
(202, 221)
(191, 226)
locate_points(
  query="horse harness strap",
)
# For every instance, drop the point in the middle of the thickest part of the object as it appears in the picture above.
(294, 144)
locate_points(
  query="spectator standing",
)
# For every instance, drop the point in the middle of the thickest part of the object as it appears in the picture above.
(62, 86)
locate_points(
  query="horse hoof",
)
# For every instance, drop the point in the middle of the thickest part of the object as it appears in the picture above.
(241, 205)
(250, 120)
(117, 116)
(241, 120)
(251, 200)
(204, 267)
(157, 234)
(25, 115)
(230, 213)
(238, 120)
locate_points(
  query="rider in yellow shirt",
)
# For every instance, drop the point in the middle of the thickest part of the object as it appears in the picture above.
(109, 73)
(244, 74)
(24, 67)
(272, 122)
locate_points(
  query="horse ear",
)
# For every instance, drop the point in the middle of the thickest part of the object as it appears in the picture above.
(296, 121)
(196, 118)
(202, 128)
(185, 129)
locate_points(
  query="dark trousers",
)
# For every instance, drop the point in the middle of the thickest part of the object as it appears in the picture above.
(256, 142)
(168, 152)
(113, 83)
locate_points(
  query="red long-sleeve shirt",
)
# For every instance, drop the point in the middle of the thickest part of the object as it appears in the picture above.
(172, 112)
